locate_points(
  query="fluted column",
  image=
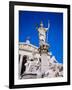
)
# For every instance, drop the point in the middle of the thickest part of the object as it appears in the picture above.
(20, 64)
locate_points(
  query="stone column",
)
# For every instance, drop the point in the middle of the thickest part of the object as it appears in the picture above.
(20, 64)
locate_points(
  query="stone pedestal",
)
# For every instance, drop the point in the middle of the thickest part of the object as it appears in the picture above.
(43, 50)
(44, 63)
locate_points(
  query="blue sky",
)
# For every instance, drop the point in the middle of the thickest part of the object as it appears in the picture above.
(27, 28)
